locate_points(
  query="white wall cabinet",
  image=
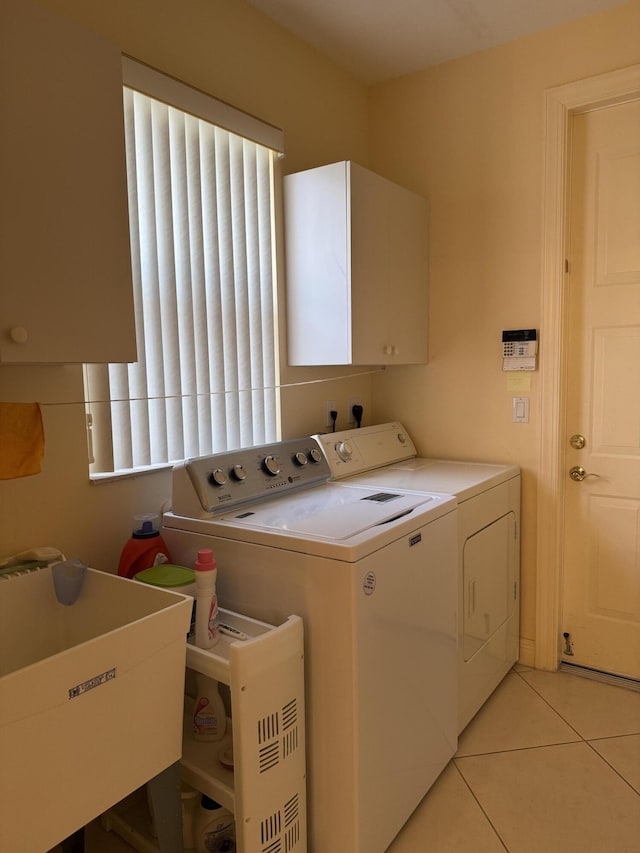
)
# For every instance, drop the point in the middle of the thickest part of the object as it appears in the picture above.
(66, 292)
(356, 268)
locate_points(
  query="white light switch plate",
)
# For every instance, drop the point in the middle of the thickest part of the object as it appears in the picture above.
(520, 411)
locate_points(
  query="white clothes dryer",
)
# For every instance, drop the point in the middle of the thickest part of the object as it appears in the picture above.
(488, 544)
(371, 571)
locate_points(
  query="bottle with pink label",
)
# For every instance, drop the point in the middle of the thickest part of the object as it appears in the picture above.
(209, 714)
(207, 633)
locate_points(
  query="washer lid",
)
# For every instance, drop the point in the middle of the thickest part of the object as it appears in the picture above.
(332, 512)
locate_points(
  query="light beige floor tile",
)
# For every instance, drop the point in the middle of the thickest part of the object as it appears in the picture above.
(514, 717)
(595, 710)
(623, 754)
(448, 820)
(555, 799)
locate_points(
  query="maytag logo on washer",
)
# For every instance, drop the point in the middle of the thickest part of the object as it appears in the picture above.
(369, 583)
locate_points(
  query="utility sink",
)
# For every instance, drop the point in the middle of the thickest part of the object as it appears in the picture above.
(91, 700)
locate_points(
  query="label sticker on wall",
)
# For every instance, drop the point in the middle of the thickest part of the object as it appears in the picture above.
(369, 583)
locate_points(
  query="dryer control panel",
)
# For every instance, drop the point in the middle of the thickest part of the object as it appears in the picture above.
(354, 451)
(211, 484)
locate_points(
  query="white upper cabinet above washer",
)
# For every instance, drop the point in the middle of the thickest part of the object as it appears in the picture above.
(357, 268)
(65, 261)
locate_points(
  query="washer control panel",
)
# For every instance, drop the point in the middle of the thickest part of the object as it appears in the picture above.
(210, 484)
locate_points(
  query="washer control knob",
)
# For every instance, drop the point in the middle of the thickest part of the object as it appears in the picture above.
(238, 473)
(315, 455)
(217, 477)
(300, 458)
(344, 450)
(271, 465)
(402, 438)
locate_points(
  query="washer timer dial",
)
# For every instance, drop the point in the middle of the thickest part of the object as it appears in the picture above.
(344, 450)
(217, 477)
(271, 465)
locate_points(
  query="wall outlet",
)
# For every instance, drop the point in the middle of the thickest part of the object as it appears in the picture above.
(330, 406)
(356, 401)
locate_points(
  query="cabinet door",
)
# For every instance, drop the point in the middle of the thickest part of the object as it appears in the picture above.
(64, 256)
(389, 267)
(318, 265)
(357, 262)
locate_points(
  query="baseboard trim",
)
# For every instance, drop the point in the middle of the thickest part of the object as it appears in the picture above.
(527, 652)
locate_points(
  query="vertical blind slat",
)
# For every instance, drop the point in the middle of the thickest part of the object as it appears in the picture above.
(226, 352)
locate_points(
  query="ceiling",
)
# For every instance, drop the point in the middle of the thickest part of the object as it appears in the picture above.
(377, 40)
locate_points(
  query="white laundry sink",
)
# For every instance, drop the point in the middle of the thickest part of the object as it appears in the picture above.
(91, 699)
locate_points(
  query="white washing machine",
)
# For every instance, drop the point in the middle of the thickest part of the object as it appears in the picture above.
(372, 573)
(488, 545)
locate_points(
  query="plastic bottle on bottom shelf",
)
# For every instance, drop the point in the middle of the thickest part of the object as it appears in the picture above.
(207, 633)
(190, 807)
(215, 830)
(209, 714)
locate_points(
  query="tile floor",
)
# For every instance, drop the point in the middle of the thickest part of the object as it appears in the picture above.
(550, 764)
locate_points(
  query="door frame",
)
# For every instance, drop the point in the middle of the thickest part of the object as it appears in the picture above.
(561, 104)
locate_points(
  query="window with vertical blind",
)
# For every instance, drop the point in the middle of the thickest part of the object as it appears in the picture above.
(201, 221)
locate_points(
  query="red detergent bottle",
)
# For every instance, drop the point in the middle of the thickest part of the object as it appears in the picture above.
(146, 547)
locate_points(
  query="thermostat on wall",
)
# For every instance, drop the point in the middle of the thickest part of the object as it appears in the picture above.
(519, 349)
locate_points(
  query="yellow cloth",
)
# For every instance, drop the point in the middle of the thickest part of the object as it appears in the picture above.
(21, 440)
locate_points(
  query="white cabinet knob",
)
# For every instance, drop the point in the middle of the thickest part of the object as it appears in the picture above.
(19, 335)
(387, 350)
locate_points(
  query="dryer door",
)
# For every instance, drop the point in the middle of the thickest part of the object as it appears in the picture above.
(488, 582)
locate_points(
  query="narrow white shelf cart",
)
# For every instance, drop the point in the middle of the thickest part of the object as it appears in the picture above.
(266, 789)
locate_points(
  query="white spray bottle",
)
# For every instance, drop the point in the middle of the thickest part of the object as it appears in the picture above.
(207, 632)
(209, 714)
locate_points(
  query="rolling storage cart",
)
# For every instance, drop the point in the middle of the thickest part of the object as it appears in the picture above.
(266, 790)
(266, 787)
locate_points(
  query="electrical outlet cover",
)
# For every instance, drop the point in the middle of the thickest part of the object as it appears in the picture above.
(330, 406)
(356, 401)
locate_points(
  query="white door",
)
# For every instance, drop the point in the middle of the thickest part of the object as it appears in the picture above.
(601, 583)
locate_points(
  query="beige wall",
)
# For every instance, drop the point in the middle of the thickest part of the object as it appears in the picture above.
(226, 48)
(469, 135)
